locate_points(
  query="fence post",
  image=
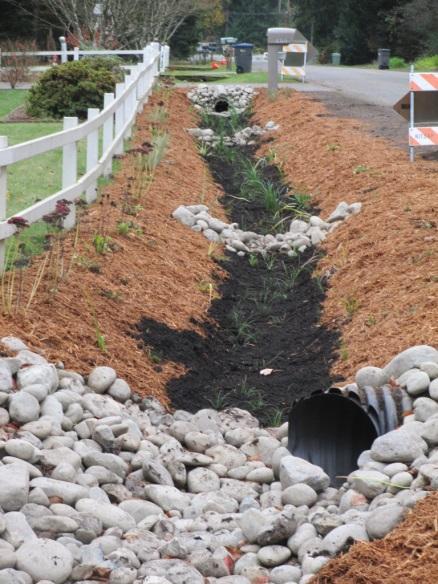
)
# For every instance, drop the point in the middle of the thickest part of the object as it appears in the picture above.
(63, 49)
(92, 154)
(156, 54)
(140, 82)
(76, 54)
(146, 54)
(108, 133)
(3, 201)
(161, 62)
(70, 169)
(120, 116)
(128, 103)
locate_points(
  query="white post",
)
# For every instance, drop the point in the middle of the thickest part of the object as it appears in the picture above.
(147, 53)
(3, 200)
(120, 116)
(140, 82)
(156, 53)
(63, 49)
(76, 54)
(70, 169)
(162, 65)
(128, 104)
(92, 154)
(411, 117)
(108, 132)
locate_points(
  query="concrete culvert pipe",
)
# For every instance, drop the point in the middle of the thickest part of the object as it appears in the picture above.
(331, 429)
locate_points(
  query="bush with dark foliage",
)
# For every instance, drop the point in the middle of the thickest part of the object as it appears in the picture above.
(71, 88)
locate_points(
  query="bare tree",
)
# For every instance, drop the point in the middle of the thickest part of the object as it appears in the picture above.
(122, 23)
(15, 67)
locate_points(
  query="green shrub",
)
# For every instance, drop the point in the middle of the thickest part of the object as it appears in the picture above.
(71, 88)
(397, 63)
(427, 63)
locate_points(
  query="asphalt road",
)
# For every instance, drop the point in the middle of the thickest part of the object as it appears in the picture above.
(369, 85)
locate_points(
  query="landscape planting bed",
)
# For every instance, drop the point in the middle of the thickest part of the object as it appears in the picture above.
(145, 275)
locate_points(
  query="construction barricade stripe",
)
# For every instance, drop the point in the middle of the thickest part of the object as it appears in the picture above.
(423, 82)
(295, 48)
(293, 71)
(424, 136)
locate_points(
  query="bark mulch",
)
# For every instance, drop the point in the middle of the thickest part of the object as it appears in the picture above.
(383, 262)
(407, 555)
(155, 273)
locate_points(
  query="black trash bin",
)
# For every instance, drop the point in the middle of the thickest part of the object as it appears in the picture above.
(243, 57)
(383, 56)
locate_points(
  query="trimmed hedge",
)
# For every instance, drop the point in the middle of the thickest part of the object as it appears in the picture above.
(71, 88)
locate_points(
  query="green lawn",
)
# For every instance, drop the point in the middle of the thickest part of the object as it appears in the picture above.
(36, 178)
(254, 77)
(11, 99)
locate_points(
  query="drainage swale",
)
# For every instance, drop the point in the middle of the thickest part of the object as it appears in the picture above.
(266, 310)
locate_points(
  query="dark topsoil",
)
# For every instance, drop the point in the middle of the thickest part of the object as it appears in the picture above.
(266, 316)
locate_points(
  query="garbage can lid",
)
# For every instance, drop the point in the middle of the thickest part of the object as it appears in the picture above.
(243, 45)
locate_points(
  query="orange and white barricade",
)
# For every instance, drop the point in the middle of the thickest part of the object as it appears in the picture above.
(422, 135)
(294, 64)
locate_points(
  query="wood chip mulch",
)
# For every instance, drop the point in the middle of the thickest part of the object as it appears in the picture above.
(159, 273)
(384, 262)
(407, 555)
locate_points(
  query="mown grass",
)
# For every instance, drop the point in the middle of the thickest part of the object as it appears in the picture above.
(36, 178)
(10, 99)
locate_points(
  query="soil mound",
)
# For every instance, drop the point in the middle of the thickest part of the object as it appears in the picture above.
(384, 263)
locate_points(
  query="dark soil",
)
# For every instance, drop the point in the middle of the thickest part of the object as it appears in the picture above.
(266, 316)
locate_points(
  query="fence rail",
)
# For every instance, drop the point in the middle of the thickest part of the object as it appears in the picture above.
(114, 121)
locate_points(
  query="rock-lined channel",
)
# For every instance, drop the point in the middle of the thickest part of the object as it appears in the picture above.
(100, 485)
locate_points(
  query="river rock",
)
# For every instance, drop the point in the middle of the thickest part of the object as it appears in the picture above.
(23, 407)
(383, 520)
(14, 486)
(343, 536)
(101, 379)
(409, 359)
(45, 559)
(273, 555)
(202, 480)
(299, 494)
(295, 470)
(398, 446)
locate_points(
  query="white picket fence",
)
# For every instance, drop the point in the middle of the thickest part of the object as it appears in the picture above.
(114, 122)
(64, 54)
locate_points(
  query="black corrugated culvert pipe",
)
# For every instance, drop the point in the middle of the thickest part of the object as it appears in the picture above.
(332, 428)
(221, 105)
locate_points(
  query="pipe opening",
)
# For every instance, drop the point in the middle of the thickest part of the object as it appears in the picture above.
(221, 106)
(331, 431)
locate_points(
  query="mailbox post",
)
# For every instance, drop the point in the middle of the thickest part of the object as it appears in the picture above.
(277, 38)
